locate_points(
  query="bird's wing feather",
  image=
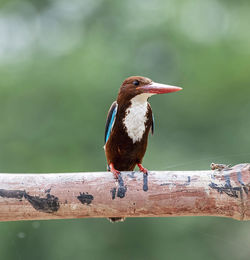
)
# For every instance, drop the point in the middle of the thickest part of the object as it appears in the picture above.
(152, 127)
(110, 120)
(153, 124)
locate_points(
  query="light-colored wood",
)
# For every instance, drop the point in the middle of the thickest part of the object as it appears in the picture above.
(96, 194)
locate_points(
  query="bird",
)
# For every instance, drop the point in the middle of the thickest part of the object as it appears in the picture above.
(129, 121)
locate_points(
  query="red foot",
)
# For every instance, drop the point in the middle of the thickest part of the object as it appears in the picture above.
(142, 169)
(114, 171)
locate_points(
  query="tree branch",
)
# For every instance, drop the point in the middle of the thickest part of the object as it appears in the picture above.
(222, 193)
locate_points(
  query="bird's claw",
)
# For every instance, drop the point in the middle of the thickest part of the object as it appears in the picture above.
(142, 169)
(115, 172)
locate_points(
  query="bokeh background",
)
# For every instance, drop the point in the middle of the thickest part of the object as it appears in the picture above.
(61, 64)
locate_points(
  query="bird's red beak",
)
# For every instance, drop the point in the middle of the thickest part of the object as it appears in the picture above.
(157, 88)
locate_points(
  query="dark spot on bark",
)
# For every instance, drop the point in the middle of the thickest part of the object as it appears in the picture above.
(121, 189)
(227, 179)
(239, 177)
(48, 190)
(131, 175)
(120, 180)
(13, 194)
(186, 183)
(113, 191)
(49, 204)
(245, 189)
(234, 192)
(145, 182)
(85, 198)
(121, 192)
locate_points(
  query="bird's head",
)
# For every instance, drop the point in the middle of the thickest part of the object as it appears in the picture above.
(145, 87)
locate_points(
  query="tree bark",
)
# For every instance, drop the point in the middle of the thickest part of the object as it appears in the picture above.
(223, 193)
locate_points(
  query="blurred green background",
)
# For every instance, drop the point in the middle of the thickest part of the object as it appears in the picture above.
(61, 64)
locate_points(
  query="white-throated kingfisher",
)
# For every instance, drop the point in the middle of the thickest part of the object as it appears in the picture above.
(128, 123)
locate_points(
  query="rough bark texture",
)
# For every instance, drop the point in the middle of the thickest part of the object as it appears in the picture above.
(96, 194)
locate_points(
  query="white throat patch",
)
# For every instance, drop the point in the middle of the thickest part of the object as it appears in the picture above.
(135, 117)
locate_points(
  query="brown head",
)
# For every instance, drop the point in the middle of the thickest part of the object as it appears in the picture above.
(137, 85)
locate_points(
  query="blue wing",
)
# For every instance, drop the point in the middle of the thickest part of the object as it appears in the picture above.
(110, 120)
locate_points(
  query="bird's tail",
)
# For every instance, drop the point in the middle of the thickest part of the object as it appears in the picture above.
(115, 220)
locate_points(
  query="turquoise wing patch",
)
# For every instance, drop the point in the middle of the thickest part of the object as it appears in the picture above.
(110, 121)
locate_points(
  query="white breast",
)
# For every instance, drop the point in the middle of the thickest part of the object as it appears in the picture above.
(136, 116)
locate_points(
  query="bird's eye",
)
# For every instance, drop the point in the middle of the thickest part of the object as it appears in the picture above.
(136, 82)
